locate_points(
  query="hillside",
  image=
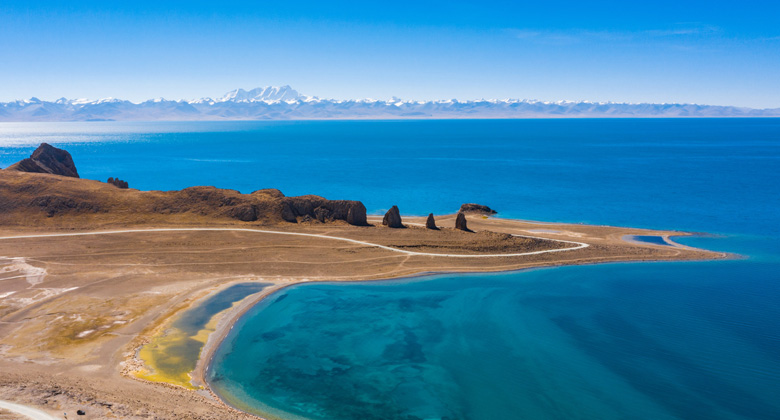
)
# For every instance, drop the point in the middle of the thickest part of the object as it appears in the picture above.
(46, 186)
(28, 199)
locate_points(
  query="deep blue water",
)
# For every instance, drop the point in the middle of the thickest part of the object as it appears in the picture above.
(645, 340)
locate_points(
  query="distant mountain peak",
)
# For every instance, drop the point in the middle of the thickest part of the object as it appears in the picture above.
(285, 103)
(263, 94)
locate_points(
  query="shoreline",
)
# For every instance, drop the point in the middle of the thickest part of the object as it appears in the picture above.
(226, 322)
(229, 320)
(296, 255)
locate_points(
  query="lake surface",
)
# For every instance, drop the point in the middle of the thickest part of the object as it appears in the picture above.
(645, 340)
(609, 341)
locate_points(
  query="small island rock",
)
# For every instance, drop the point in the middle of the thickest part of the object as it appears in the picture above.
(392, 218)
(476, 208)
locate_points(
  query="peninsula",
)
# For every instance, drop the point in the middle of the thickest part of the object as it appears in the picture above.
(95, 275)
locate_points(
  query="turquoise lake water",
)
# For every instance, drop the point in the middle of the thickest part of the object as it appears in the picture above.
(696, 340)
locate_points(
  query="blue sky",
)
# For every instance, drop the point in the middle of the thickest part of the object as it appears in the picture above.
(708, 52)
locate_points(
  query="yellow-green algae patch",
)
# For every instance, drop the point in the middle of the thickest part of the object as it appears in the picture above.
(171, 356)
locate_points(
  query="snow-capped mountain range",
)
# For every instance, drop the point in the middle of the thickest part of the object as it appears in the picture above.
(285, 103)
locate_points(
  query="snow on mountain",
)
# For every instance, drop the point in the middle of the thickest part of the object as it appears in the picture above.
(282, 103)
(266, 94)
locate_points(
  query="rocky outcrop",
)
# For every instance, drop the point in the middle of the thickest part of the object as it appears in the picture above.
(323, 210)
(321, 214)
(460, 222)
(244, 213)
(47, 159)
(430, 223)
(392, 218)
(118, 183)
(476, 208)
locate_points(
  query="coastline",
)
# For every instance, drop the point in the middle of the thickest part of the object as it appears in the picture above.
(230, 319)
(360, 259)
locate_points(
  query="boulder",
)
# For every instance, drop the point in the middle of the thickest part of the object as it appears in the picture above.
(476, 208)
(356, 215)
(47, 159)
(460, 222)
(392, 218)
(430, 223)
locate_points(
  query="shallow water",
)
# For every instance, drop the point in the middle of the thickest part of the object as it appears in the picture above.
(615, 341)
(174, 354)
(650, 239)
(651, 340)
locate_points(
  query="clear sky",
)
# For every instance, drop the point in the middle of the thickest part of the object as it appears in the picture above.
(707, 52)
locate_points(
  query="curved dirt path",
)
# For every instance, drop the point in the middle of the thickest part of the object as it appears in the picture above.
(578, 245)
(26, 411)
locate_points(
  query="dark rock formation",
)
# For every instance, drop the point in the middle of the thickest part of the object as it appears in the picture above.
(476, 208)
(262, 206)
(244, 213)
(117, 183)
(288, 213)
(321, 214)
(460, 222)
(430, 223)
(357, 214)
(392, 218)
(323, 210)
(47, 159)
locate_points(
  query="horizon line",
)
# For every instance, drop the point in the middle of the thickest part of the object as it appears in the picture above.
(394, 99)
